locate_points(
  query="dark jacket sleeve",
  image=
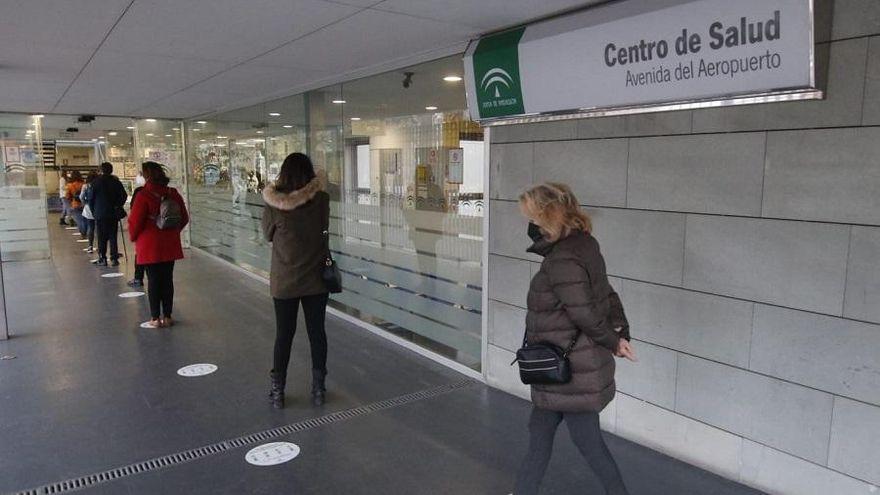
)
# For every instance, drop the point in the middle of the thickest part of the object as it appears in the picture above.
(268, 223)
(121, 195)
(570, 281)
(618, 317)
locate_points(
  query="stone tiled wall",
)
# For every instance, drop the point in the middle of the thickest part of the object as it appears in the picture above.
(745, 244)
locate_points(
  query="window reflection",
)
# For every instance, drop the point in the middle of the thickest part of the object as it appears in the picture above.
(405, 176)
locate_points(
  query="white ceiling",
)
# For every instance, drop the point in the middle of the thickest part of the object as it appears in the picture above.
(177, 59)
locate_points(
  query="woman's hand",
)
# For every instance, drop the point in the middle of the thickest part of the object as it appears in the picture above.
(625, 350)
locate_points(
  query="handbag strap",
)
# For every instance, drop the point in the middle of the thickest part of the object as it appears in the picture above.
(325, 214)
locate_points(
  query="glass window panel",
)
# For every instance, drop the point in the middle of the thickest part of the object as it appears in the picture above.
(23, 223)
(405, 177)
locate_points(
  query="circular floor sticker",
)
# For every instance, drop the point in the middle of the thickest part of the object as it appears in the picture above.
(200, 369)
(128, 295)
(112, 275)
(82, 240)
(273, 453)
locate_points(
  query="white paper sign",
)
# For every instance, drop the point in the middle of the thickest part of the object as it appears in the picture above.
(129, 295)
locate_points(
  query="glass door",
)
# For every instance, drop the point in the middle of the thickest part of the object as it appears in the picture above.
(24, 230)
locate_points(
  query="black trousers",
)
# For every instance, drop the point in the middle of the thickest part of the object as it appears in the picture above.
(286, 310)
(585, 432)
(90, 232)
(139, 270)
(108, 231)
(160, 290)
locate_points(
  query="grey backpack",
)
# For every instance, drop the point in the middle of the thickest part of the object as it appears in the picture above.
(169, 217)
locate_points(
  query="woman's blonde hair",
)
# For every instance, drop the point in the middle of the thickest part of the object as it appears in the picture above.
(554, 207)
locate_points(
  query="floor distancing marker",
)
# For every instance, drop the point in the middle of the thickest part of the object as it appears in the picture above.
(200, 369)
(129, 295)
(271, 454)
(183, 457)
(82, 240)
(113, 275)
(69, 228)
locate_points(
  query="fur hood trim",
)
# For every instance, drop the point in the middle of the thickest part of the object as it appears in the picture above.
(294, 199)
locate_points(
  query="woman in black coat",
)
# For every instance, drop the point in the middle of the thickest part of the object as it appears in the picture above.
(570, 300)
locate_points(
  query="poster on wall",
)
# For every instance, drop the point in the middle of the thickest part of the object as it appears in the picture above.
(455, 166)
(645, 55)
(12, 154)
(29, 156)
(129, 170)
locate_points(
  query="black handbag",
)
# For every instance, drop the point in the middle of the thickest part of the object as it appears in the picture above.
(330, 274)
(329, 270)
(544, 363)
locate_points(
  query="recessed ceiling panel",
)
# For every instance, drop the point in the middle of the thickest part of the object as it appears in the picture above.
(368, 38)
(127, 83)
(225, 30)
(483, 14)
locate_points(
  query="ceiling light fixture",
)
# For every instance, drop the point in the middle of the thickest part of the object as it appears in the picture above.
(100, 137)
(203, 122)
(287, 126)
(38, 116)
(221, 137)
(259, 132)
(355, 118)
(430, 108)
(201, 140)
(131, 127)
(452, 78)
(112, 133)
(150, 120)
(149, 134)
(339, 102)
(274, 114)
(167, 135)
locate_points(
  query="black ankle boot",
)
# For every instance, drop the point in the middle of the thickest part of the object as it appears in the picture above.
(319, 391)
(276, 392)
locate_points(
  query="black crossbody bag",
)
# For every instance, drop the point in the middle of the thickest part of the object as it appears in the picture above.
(544, 363)
(329, 270)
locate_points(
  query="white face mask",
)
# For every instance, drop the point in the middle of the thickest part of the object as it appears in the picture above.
(139, 180)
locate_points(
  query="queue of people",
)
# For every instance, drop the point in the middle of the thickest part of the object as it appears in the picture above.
(574, 317)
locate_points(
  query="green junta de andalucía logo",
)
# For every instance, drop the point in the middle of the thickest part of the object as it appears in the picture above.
(496, 70)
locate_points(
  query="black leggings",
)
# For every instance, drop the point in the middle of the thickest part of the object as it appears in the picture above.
(585, 432)
(314, 308)
(161, 288)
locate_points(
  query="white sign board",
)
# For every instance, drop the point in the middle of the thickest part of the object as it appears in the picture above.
(455, 166)
(636, 54)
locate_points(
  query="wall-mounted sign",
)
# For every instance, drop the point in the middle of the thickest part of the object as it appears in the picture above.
(455, 166)
(645, 55)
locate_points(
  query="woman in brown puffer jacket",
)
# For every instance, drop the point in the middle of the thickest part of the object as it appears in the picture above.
(295, 220)
(570, 297)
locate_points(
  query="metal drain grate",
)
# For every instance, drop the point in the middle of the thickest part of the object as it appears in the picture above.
(87, 481)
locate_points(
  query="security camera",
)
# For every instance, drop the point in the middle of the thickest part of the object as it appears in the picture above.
(407, 80)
